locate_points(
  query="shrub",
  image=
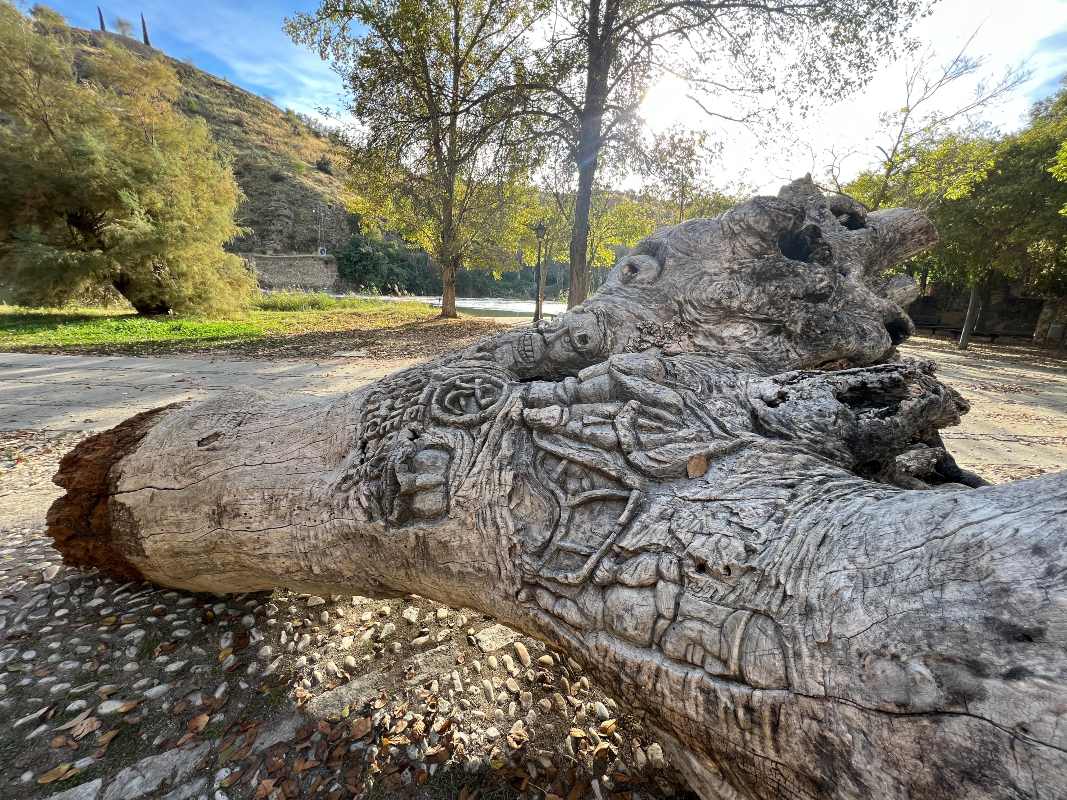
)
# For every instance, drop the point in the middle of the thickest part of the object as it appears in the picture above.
(385, 267)
(112, 186)
(294, 301)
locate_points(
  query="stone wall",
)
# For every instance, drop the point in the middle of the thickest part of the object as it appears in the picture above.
(1003, 309)
(294, 271)
(1052, 324)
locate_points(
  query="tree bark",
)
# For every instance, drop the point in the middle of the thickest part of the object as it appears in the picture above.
(970, 319)
(124, 287)
(448, 290)
(714, 485)
(583, 198)
(599, 44)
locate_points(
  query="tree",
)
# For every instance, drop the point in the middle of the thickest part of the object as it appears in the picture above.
(1009, 223)
(431, 85)
(934, 154)
(677, 167)
(711, 487)
(930, 152)
(123, 26)
(609, 52)
(105, 184)
(1059, 169)
(617, 223)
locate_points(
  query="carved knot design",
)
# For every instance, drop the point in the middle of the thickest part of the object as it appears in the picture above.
(468, 399)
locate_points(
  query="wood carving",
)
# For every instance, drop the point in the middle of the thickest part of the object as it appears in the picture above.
(714, 484)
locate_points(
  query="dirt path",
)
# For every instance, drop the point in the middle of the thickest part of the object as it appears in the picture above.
(1017, 426)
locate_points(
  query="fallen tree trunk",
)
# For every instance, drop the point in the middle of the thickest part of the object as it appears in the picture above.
(713, 484)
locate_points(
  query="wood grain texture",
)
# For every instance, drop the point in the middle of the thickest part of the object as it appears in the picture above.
(714, 484)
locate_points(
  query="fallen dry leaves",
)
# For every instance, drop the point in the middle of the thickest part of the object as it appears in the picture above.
(58, 773)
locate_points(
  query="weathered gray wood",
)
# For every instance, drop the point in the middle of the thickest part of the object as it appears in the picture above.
(714, 484)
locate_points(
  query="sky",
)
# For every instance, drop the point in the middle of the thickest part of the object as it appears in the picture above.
(1010, 33)
(242, 41)
(239, 40)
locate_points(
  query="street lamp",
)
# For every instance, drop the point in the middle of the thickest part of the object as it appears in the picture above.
(539, 231)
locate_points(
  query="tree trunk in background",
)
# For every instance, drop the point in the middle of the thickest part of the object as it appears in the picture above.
(123, 286)
(449, 270)
(598, 44)
(984, 301)
(749, 532)
(579, 250)
(970, 319)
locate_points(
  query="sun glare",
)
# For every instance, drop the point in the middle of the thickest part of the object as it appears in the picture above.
(666, 104)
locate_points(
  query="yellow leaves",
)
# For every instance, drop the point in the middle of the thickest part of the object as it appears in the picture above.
(198, 723)
(58, 773)
(85, 727)
(80, 726)
(76, 721)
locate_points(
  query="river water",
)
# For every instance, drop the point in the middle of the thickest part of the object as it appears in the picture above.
(485, 306)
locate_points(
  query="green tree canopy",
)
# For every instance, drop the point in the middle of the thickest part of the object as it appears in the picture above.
(440, 152)
(105, 184)
(1010, 223)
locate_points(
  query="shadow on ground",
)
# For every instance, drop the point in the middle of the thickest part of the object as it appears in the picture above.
(122, 691)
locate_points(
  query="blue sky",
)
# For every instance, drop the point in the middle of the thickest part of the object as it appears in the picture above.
(240, 40)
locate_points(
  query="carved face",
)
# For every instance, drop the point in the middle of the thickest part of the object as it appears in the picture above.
(789, 282)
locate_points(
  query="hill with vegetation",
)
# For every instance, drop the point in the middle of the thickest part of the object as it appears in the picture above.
(286, 164)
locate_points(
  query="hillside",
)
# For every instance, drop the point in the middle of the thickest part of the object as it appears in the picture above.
(276, 159)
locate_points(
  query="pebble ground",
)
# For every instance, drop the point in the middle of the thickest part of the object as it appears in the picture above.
(278, 695)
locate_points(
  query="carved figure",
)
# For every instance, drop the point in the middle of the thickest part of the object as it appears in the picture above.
(714, 484)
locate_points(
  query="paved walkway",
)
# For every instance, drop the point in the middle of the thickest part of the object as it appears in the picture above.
(82, 393)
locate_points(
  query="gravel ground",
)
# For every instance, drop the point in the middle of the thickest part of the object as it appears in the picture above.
(121, 691)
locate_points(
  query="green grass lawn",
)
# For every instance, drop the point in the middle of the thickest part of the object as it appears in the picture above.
(275, 315)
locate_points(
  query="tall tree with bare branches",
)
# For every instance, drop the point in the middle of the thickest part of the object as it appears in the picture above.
(732, 53)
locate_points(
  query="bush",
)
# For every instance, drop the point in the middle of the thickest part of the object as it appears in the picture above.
(114, 187)
(386, 267)
(295, 301)
(324, 164)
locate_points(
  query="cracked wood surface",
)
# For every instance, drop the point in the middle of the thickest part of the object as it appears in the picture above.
(715, 484)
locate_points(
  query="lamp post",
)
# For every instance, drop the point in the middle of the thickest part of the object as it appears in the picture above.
(539, 231)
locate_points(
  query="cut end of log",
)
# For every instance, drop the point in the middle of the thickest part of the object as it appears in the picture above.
(80, 522)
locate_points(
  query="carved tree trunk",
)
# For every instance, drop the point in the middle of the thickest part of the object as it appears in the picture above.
(714, 484)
